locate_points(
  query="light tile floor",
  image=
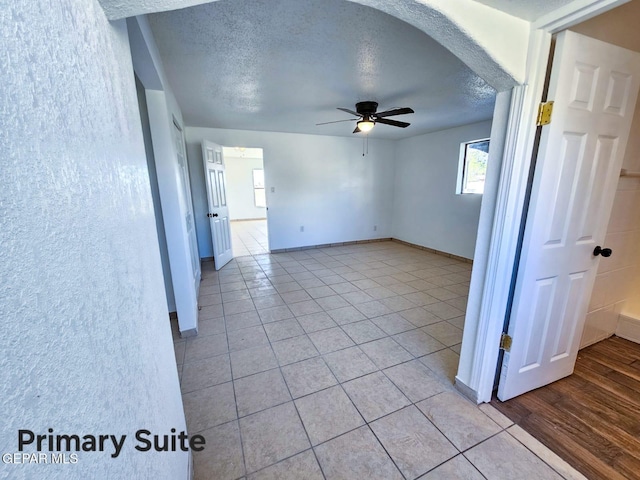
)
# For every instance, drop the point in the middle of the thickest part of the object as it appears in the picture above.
(338, 363)
(249, 237)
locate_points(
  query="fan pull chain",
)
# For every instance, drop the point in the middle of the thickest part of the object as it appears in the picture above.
(365, 145)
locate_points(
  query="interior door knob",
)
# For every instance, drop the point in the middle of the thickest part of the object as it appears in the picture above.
(212, 215)
(605, 252)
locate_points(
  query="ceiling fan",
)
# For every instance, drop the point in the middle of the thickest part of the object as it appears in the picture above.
(367, 116)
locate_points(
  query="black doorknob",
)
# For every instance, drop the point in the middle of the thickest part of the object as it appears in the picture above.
(605, 252)
(212, 215)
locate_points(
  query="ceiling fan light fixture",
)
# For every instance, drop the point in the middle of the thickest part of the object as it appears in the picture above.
(365, 125)
(367, 116)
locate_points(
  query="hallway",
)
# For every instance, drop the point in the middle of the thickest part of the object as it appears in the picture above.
(249, 237)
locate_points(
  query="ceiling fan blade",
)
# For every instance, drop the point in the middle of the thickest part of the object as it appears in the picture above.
(395, 123)
(396, 111)
(349, 111)
(357, 130)
(338, 121)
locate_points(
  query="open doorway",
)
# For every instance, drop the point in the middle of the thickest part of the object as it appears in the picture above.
(247, 200)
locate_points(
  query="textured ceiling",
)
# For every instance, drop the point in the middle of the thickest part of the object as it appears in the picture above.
(285, 65)
(526, 9)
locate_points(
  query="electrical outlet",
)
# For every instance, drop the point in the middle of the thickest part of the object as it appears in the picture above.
(302, 228)
(375, 228)
(273, 189)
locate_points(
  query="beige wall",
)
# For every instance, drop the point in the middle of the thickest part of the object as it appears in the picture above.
(617, 286)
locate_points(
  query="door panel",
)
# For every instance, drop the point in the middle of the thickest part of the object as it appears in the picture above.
(185, 193)
(221, 185)
(217, 200)
(594, 87)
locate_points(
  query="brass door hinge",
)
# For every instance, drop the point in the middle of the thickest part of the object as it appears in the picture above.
(545, 109)
(505, 342)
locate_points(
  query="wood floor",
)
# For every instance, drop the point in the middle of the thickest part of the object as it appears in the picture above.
(592, 418)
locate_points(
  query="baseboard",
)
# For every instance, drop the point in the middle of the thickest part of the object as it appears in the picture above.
(190, 474)
(433, 250)
(374, 240)
(192, 332)
(595, 340)
(327, 245)
(248, 219)
(466, 390)
(628, 328)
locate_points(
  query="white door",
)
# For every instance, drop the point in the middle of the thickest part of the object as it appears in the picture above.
(594, 87)
(185, 193)
(217, 197)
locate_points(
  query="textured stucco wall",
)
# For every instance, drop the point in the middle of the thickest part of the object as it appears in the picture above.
(86, 346)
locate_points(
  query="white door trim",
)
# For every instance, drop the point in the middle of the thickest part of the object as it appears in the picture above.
(574, 13)
(478, 361)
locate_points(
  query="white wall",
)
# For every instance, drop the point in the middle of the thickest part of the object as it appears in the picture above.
(86, 346)
(426, 209)
(239, 173)
(322, 183)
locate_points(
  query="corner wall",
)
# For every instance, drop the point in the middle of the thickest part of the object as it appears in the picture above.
(320, 182)
(86, 346)
(427, 211)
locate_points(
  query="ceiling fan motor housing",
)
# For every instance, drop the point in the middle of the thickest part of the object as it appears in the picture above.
(366, 108)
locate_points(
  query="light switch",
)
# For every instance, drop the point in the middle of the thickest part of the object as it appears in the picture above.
(273, 189)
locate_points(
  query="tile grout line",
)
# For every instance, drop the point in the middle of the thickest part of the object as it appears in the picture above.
(367, 424)
(291, 399)
(329, 260)
(301, 422)
(506, 429)
(235, 398)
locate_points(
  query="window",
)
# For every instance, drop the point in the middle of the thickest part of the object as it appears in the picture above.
(259, 197)
(473, 166)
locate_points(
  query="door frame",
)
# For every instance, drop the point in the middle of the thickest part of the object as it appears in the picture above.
(266, 212)
(162, 110)
(491, 286)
